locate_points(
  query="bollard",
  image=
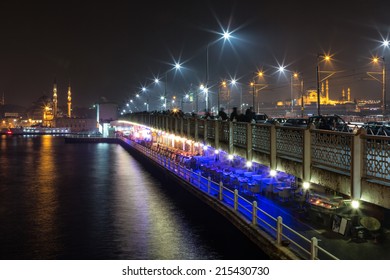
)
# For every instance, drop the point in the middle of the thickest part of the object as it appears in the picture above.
(254, 213)
(279, 227)
(220, 190)
(313, 248)
(235, 199)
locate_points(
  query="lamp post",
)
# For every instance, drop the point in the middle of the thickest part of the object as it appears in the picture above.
(255, 90)
(223, 84)
(383, 86)
(326, 58)
(226, 36)
(296, 76)
(318, 87)
(293, 76)
(253, 94)
(382, 81)
(207, 77)
(302, 101)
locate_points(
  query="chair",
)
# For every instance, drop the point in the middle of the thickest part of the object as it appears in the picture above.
(255, 188)
(285, 194)
(269, 189)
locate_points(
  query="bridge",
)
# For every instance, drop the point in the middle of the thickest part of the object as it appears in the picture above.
(353, 164)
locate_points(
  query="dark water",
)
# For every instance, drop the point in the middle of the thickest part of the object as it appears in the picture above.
(95, 201)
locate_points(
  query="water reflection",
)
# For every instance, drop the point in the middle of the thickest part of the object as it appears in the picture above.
(95, 201)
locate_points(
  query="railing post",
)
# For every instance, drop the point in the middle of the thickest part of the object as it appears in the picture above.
(235, 199)
(313, 248)
(357, 160)
(254, 213)
(273, 163)
(208, 185)
(199, 177)
(220, 191)
(249, 142)
(181, 126)
(279, 230)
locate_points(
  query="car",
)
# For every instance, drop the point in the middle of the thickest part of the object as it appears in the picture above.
(329, 122)
(296, 122)
(381, 128)
(260, 118)
(276, 121)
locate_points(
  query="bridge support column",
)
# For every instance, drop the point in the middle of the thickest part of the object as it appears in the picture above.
(273, 163)
(196, 136)
(249, 153)
(231, 146)
(205, 131)
(176, 126)
(189, 130)
(306, 170)
(356, 168)
(216, 134)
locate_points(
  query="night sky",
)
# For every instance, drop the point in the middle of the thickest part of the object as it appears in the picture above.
(112, 48)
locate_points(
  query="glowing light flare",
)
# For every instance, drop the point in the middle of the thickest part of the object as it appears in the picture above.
(281, 68)
(272, 173)
(248, 164)
(355, 204)
(226, 35)
(230, 157)
(306, 185)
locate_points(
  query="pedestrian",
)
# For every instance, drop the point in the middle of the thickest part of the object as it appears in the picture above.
(234, 114)
(222, 114)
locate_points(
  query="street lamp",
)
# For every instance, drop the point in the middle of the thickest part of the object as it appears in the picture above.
(147, 99)
(326, 58)
(223, 84)
(383, 81)
(302, 101)
(296, 76)
(225, 36)
(177, 66)
(253, 84)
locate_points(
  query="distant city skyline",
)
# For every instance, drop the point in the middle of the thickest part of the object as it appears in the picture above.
(112, 49)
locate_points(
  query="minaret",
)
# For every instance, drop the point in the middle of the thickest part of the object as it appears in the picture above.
(349, 94)
(55, 102)
(2, 102)
(69, 102)
(343, 95)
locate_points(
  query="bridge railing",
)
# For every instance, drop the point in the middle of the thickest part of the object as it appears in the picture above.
(306, 248)
(376, 151)
(356, 155)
